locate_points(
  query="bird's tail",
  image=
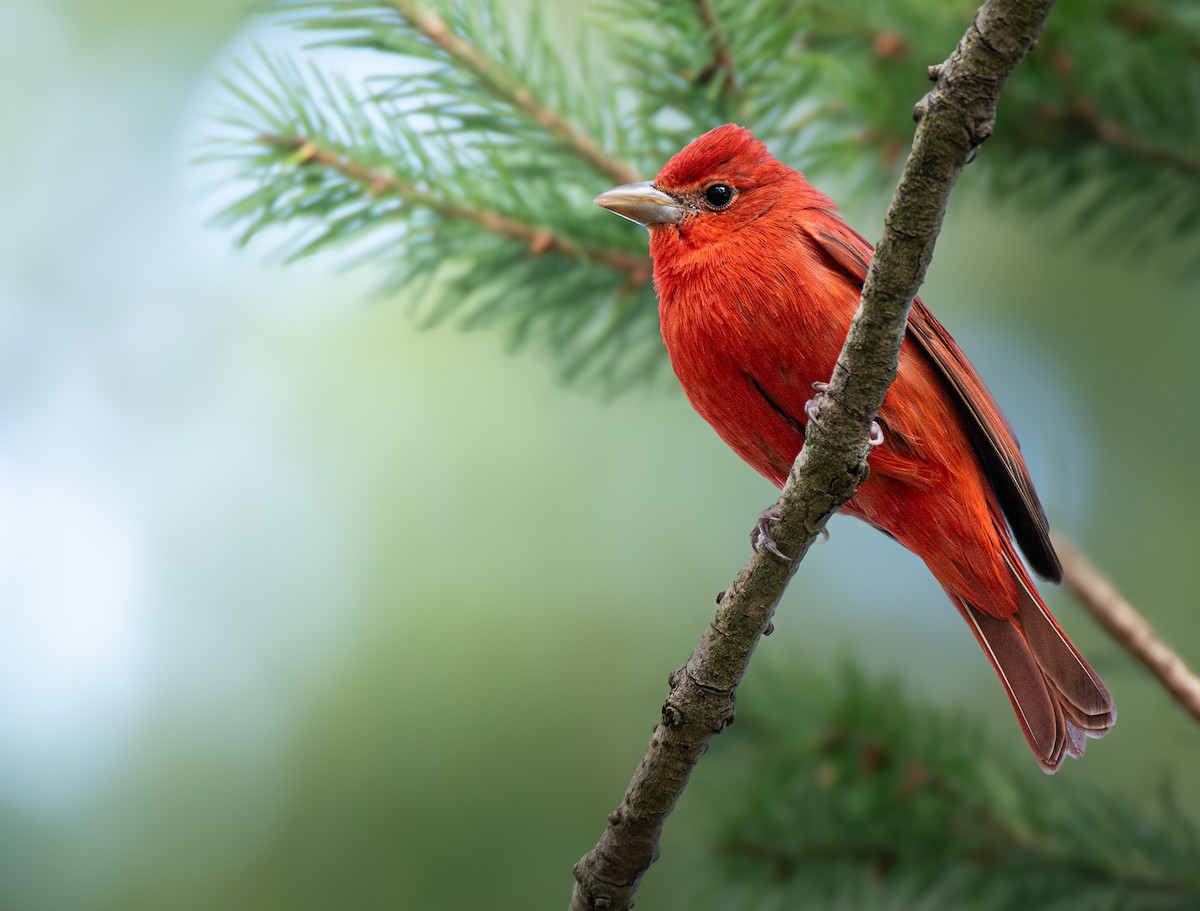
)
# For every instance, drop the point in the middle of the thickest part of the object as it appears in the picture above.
(1058, 698)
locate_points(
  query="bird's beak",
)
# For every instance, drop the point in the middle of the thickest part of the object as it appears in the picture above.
(642, 203)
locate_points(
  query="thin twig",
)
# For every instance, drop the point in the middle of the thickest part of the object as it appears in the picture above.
(954, 119)
(498, 80)
(722, 61)
(540, 240)
(1128, 627)
(1083, 111)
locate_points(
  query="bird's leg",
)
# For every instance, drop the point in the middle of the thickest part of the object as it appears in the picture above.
(760, 535)
(813, 405)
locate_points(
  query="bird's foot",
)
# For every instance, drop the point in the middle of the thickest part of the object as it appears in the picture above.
(813, 405)
(760, 535)
(876, 437)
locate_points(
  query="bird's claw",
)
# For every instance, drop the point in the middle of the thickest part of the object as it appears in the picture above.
(876, 437)
(813, 405)
(760, 536)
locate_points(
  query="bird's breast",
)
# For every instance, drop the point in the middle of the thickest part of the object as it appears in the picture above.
(747, 341)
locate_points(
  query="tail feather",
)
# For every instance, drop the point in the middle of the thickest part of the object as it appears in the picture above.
(1076, 741)
(1098, 724)
(1059, 700)
(1084, 697)
(1039, 712)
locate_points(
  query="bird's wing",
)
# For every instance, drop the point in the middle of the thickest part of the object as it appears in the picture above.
(990, 431)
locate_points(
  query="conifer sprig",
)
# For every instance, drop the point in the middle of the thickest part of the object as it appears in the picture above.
(476, 231)
(852, 793)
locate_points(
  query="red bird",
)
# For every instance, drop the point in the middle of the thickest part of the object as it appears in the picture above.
(758, 278)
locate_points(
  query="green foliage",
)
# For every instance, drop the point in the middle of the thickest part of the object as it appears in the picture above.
(382, 173)
(476, 120)
(1112, 122)
(852, 795)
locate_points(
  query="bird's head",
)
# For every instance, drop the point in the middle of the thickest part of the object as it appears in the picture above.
(718, 183)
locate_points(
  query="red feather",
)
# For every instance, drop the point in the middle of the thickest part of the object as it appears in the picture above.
(756, 298)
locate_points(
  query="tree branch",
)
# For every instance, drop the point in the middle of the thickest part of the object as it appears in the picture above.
(722, 59)
(953, 120)
(1122, 621)
(501, 83)
(379, 182)
(1081, 111)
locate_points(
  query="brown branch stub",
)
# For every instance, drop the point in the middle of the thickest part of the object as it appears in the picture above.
(539, 240)
(955, 118)
(1128, 627)
(503, 84)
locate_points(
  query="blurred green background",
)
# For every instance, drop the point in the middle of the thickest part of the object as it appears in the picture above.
(303, 608)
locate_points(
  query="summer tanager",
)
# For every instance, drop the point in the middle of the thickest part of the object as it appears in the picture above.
(758, 278)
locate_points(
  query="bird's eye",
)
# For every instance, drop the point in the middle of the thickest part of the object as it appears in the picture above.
(719, 195)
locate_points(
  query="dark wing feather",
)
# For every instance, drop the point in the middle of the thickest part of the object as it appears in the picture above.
(991, 434)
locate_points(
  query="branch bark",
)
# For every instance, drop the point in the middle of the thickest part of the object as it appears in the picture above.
(953, 120)
(1129, 628)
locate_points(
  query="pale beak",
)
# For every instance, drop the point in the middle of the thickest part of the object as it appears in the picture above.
(642, 203)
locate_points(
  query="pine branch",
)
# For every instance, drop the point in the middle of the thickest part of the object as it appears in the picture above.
(483, 228)
(1129, 628)
(1082, 110)
(379, 181)
(1107, 104)
(501, 82)
(851, 786)
(1079, 109)
(953, 120)
(722, 60)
